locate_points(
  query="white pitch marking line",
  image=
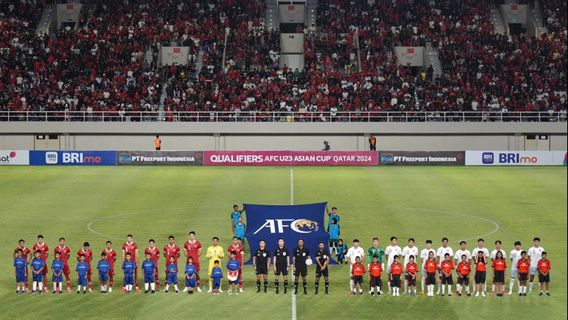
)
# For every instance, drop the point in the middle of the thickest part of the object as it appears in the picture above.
(90, 228)
(104, 218)
(294, 316)
(497, 226)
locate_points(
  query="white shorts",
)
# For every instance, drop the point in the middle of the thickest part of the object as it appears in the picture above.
(389, 268)
(514, 273)
(533, 270)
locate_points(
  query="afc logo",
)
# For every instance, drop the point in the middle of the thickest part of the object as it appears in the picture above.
(296, 225)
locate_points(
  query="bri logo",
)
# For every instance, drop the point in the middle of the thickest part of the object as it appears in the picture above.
(487, 158)
(51, 158)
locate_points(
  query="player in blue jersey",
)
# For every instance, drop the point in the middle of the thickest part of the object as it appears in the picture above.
(190, 276)
(233, 267)
(82, 271)
(149, 268)
(216, 276)
(38, 265)
(341, 251)
(235, 215)
(332, 215)
(240, 228)
(104, 272)
(172, 270)
(57, 267)
(129, 268)
(20, 267)
(333, 236)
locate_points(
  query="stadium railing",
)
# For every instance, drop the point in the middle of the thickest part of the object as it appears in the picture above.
(282, 116)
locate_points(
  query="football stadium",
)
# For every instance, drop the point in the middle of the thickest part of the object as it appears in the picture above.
(266, 159)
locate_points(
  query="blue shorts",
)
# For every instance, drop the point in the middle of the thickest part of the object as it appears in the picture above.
(172, 279)
(149, 278)
(129, 279)
(37, 277)
(216, 283)
(21, 276)
(82, 281)
(534, 271)
(57, 278)
(190, 283)
(103, 276)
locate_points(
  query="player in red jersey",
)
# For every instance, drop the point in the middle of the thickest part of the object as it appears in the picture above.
(480, 273)
(447, 267)
(499, 265)
(396, 270)
(237, 247)
(411, 275)
(431, 266)
(357, 272)
(375, 271)
(111, 257)
(154, 253)
(193, 248)
(26, 253)
(64, 254)
(44, 254)
(88, 253)
(544, 274)
(171, 250)
(463, 270)
(523, 268)
(131, 247)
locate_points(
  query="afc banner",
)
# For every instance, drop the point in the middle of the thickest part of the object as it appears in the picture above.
(289, 222)
(290, 158)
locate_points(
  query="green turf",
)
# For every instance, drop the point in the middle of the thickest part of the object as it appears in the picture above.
(425, 202)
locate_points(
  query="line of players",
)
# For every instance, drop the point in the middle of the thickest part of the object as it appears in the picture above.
(433, 262)
(439, 265)
(37, 259)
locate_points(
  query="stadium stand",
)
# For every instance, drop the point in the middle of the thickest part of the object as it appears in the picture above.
(100, 66)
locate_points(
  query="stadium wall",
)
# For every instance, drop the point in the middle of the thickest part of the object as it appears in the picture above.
(286, 136)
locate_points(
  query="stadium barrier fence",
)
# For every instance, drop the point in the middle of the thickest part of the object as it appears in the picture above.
(283, 116)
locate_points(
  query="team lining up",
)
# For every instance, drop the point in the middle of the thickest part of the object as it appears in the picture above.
(437, 267)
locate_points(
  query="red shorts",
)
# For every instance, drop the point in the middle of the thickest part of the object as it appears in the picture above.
(111, 271)
(66, 270)
(45, 269)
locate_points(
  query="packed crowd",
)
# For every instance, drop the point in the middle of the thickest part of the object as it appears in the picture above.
(350, 60)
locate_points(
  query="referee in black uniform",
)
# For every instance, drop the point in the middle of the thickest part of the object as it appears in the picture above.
(301, 254)
(281, 265)
(322, 261)
(261, 264)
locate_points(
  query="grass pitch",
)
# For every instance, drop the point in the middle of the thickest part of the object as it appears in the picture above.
(105, 203)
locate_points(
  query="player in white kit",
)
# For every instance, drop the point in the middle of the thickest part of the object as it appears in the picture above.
(481, 248)
(351, 256)
(535, 254)
(409, 250)
(423, 257)
(441, 253)
(515, 255)
(392, 250)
